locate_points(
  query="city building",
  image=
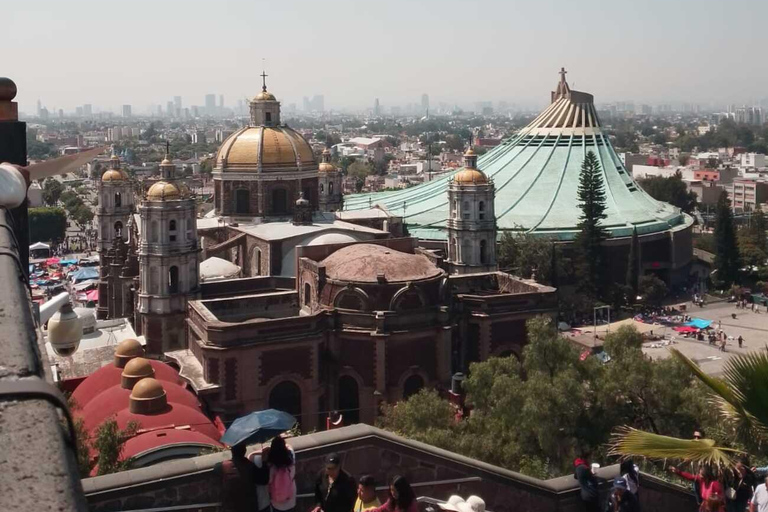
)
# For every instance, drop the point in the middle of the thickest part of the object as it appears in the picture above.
(752, 160)
(126, 111)
(746, 195)
(210, 104)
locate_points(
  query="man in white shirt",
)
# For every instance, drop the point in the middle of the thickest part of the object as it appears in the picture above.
(262, 484)
(759, 501)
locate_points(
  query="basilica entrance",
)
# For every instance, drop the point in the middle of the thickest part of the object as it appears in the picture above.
(286, 396)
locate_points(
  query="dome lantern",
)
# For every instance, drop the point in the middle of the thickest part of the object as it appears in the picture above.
(265, 109)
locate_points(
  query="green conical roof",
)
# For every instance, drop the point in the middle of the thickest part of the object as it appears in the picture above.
(536, 174)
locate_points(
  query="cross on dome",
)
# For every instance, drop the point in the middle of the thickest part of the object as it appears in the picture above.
(562, 75)
(263, 76)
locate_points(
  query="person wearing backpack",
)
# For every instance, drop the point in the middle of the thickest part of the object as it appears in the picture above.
(281, 460)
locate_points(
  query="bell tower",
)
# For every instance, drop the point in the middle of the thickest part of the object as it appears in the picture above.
(329, 185)
(472, 221)
(168, 262)
(265, 109)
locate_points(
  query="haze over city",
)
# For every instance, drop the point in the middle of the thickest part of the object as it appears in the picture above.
(143, 53)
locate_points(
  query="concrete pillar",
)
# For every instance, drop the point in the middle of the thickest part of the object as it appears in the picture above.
(13, 149)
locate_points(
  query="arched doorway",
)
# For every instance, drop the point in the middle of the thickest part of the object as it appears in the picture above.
(412, 385)
(279, 201)
(286, 396)
(118, 229)
(349, 399)
(242, 201)
(173, 279)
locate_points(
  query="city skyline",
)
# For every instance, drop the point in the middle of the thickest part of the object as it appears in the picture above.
(498, 51)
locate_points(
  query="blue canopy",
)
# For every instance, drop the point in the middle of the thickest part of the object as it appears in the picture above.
(699, 323)
(85, 273)
(258, 427)
(68, 262)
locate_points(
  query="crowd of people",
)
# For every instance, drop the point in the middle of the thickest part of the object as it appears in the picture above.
(265, 481)
(738, 489)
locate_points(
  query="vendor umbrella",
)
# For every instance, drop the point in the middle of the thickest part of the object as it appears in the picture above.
(258, 427)
(52, 261)
(92, 295)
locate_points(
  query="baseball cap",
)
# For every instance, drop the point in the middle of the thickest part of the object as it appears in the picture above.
(332, 459)
(620, 483)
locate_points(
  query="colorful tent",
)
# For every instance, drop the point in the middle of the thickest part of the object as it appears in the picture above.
(699, 323)
(52, 261)
(92, 296)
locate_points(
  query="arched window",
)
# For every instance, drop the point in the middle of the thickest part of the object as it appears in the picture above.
(307, 294)
(242, 201)
(286, 396)
(347, 299)
(330, 188)
(321, 188)
(481, 209)
(173, 279)
(455, 207)
(483, 252)
(118, 228)
(453, 253)
(118, 200)
(409, 299)
(412, 385)
(349, 399)
(172, 225)
(153, 231)
(172, 230)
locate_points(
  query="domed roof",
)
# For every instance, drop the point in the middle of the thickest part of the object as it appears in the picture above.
(114, 175)
(470, 177)
(162, 191)
(167, 438)
(265, 96)
(147, 389)
(174, 415)
(327, 167)
(364, 263)
(265, 148)
(332, 238)
(129, 347)
(138, 367)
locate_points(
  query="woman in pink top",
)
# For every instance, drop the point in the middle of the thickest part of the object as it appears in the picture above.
(704, 482)
(401, 497)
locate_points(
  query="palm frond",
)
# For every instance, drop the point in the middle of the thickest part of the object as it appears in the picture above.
(630, 442)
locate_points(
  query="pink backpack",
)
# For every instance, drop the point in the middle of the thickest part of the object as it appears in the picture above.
(281, 485)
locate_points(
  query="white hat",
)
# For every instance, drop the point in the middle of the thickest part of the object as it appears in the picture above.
(464, 507)
(477, 503)
(452, 503)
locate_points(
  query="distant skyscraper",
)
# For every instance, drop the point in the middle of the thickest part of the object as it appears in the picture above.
(171, 109)
(126, 111)
(177, 104)
(79, 111)
(210, 104)
(424, 102)
(87, 110)
(376, 108)
(39, 108)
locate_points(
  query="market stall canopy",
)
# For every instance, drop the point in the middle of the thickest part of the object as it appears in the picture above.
(84, 274)
(39, 246)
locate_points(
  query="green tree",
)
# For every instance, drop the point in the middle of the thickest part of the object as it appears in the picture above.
(727, 251)
(108, 445)
(524, 255)
(672, 190)
(206, 167)
(360, 169)
(82, 215)
(47, 224)
(652, 289)
(588, 242)
(633, 265)
(52, 190)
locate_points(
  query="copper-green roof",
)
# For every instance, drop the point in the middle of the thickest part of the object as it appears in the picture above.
(536, 174)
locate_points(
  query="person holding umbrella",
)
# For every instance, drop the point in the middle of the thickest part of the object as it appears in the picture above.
(237, 478)
(335, 489)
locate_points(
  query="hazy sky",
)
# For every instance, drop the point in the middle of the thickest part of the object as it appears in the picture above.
(109, 52)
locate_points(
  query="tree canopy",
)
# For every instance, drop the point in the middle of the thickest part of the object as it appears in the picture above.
(671, 190)
(591, 195)
(47, 224)
(727, 257)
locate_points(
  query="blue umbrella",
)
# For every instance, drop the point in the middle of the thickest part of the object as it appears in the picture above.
(258, 427)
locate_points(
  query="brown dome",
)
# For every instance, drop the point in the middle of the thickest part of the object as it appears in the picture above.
(147, 389)
(138, 367)
(129, 347)
(365, 263)
(162, 190)
(470, 177)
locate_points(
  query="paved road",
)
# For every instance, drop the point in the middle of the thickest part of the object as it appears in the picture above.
(752, 326)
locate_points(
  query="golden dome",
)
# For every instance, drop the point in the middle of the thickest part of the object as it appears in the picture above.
(166, 161)
(129, 347)
(162, 191)
(114, 175)
(114, 158)
(470, 152)
(265, 148)
(138, 367)
(147, 389)
(327, 167)
(470, 177)
(265, 96)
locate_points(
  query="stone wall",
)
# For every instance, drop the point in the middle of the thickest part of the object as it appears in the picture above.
(367, 450)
